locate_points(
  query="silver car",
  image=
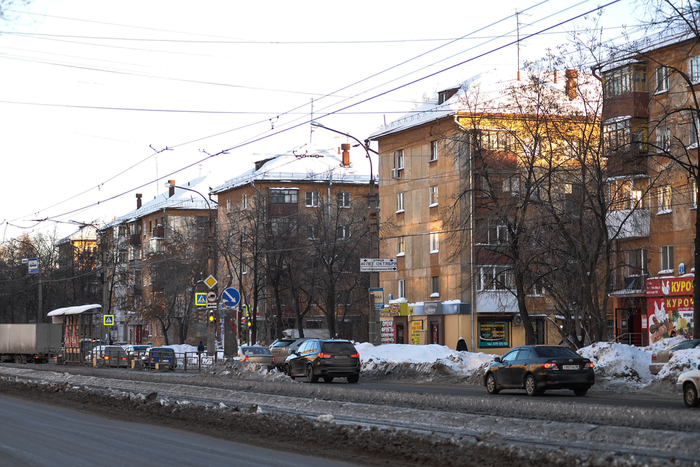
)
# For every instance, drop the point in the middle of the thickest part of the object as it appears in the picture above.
(659, 359)
(688, 384)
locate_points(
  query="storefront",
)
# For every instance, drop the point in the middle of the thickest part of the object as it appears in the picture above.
(669, 310)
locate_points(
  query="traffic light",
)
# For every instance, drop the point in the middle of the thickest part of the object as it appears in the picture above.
(211, 318)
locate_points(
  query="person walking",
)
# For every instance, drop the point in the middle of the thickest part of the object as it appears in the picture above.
(200, 347)
(462, 345)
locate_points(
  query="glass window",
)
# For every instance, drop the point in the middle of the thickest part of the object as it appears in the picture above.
(433, 196)
(399, 202)
(693, 193)
(665, 198)
(311, 232)
(663, 138)
(342, 232)
(312, 198)
(627, 194)
(435, 286)
(398, 159)
(637, 262)
(228, 205)
(280, 196)
(434, 242)
(667, 258)
(401, 245)
(343, 199)
(433, 151)
(244, 202)
(694, 69)
(402, 288)
(624, 80)
(661, 79)
(625, 135)
(693, 131)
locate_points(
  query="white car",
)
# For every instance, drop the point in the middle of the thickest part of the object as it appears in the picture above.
(688, 384)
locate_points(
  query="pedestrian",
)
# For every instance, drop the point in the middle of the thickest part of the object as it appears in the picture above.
(200, 347)
(462, 345)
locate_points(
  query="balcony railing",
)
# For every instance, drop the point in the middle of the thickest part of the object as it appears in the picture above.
(627, 223)
(135, 240)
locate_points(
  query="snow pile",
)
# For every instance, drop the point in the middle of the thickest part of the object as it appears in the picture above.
(619, 362)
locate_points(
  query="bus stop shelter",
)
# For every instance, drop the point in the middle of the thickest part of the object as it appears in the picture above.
(78, 330)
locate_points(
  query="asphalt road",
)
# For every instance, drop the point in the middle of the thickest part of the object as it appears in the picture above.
(36, 434)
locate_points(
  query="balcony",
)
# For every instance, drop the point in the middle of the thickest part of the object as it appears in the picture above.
(628, 223)
(135, 240)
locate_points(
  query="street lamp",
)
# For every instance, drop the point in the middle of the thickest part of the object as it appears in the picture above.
(373, 231)
(211, 341)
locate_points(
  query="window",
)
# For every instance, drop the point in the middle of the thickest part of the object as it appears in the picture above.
(537, 290)
(401, 246)
(402, 288)
(626, 194)
(495, 278)
(343, 200)
(625, 80)
(228, 205)
(693, 193)
(244, 201)
(312, 199)
(433, 151)
(244, 234)
(398, 159)
(311, 232)
(434, 244)
(666, 259)
(244, 268)
(663, 138)
(435, 286)
(511, 185)
(625, 135)
(281, 196)
(399, 202)
(665, 199)
(491, 140)
(661, 79)
(694, 69)
(342, 232)
(637, 263)
(693, 131)
(433, 196)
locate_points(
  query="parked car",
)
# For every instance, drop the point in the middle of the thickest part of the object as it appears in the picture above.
(115, 356)
(326, 359)
(537, 368)
(282, 348)
(662, 357)
(688, 383)
(136, 352)
(160, 355)
(256, 354)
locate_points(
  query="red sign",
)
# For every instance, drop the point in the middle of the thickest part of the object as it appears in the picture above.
(670, 286)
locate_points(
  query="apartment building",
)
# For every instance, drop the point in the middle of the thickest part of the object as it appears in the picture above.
(650, 133)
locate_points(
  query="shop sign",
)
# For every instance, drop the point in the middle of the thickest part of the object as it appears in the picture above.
(431, 308)
(416, 328)
(670, 286)
(388, 331)
(493, 334)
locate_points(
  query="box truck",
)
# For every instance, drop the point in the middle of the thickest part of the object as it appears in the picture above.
(24, 343)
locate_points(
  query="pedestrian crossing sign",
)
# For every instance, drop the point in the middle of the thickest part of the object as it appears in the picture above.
(200, 298)
(108, 320)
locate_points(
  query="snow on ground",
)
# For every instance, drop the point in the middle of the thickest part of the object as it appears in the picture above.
(620, 365)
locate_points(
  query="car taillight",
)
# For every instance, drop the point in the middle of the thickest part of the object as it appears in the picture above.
(324, 355)
(653, 357)
(355, 355)
(588, 365)
(245, 359)
(273, 359)
(550, 366)
(106, 357)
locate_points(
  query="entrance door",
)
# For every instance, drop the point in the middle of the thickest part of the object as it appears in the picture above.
(400, 333)
(434, 333)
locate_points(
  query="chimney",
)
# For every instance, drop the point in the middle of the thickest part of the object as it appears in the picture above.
(346, 154)
(138, 200)
(570, 86)
(171, 189)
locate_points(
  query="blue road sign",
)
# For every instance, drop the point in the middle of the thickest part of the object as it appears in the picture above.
(231, 297)
(200, 299)
(109, 320)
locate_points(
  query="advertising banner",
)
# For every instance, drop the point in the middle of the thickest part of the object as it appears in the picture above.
(669, 307)
(493, 334)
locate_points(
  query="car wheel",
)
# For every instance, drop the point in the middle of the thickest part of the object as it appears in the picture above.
(491, 385)
(310, 376)
(531, 387)
(352, 379)
(327, 379)
(580, 392)
(690, 396)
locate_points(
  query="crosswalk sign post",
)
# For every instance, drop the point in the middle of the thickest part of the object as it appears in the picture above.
(200, 298)
(108, 320)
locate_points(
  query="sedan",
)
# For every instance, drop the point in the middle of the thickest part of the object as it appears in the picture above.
(662, 357)
(256, 354)
(282, 348)
(537, 368)
(688, 384)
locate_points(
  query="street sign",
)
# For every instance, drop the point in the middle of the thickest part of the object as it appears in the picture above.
(211, 282)
(108, 320)
(231, 297)
(33, 265)
(378, 294)
(211, 296)
(200, 299)
(378, 265)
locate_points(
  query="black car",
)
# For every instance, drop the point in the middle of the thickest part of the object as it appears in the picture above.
(326, 359)
(537, 368)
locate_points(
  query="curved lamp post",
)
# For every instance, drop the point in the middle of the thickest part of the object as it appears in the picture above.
(374, 335)
(211, 342)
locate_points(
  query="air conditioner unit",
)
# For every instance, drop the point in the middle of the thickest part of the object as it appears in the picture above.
(518, 320)
(396, 173)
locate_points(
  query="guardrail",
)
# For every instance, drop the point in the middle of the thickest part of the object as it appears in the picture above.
(185, 361)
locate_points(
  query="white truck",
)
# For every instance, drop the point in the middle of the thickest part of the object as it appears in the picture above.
(37, 343)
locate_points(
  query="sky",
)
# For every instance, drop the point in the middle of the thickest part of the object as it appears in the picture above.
(103, 100)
